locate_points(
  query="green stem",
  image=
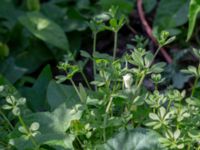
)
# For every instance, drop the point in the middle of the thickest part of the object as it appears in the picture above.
(194, 86)
(115, 44)
(2, 143)
(154, 56)
(76, 89)
(156, 86)
(25, 127)
(144, 74)
(140, 82)
(198, 148)
(86, 80)
(169, 104)
(188, 147)
(6, 119)
(106, 117)
(94, 50)
(80, 142)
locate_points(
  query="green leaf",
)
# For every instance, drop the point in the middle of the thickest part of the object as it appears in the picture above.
(193, 12)
(62, 141)
(75, 21)
(149, 5)
(59, 93)
(12, 89)
(124, 6)
(171, 13)
(83, 93)
(10, 70)
(53, 127)
(85, 54)
(9, 14)
(148, 59)
(153, 116)
(179, 79)
(158, 67)
(57, 121)
(36, 95)
(33, 5)
(45, 29)
(35, 126)
(33, 57)
(4, 50)
(136, 139)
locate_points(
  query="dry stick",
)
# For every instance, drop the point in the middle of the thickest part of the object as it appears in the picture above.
(149, 30)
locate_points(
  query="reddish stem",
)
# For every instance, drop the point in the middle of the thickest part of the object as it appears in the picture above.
(149, 30)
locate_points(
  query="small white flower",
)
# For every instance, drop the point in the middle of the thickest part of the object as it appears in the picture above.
(128, 80)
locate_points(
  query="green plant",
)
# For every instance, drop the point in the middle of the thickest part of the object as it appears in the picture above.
(126, 104)
(193, 12)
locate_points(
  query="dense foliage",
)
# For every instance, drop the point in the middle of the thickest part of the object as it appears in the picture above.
(56, 96)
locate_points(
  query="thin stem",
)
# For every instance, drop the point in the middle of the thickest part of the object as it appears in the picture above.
(25, 127)
(156, 86)
(140, 82)
(115, 45)
(154, 56)
(86, 80)
(194, 86)
(6, 119)
(76, 89)
(79, 142)
(188, 148)
(2, 143)
(106, 117)
(198, 148)
(144, 74)
(94, 50)
(149, 30)
(169, 104)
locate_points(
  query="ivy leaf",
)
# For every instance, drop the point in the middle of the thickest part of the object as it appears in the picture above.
(193, 12)
(59, 93)
(45, 29)
(57, 121)
(55, 140)
(10, 70)
(53, 127)
(36, 95)
(137, 139)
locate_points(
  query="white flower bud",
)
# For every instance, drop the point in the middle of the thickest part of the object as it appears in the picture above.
(128, 80)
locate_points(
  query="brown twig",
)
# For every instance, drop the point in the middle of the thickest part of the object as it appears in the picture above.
(149, 30)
